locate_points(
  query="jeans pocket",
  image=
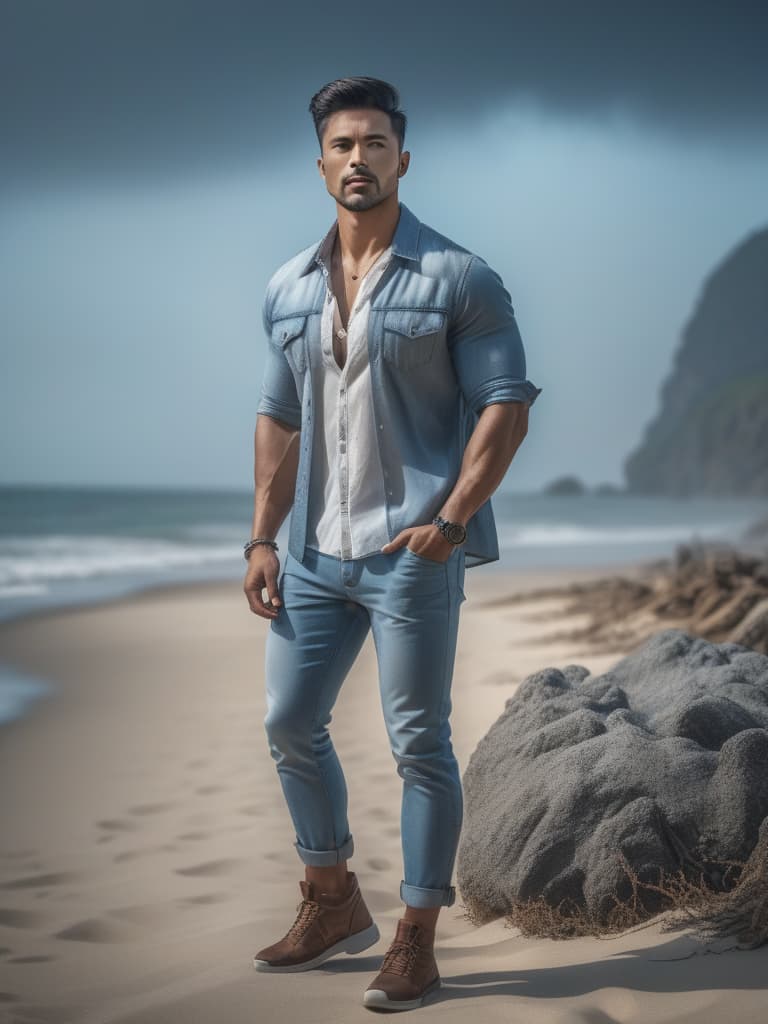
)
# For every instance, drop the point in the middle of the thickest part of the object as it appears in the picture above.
(424, 559)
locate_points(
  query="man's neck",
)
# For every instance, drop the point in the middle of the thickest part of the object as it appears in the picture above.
(363, 234)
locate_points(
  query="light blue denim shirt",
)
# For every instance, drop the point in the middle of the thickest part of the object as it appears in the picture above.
(443, 344)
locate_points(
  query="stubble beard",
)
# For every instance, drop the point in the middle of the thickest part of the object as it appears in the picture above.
(358, 202)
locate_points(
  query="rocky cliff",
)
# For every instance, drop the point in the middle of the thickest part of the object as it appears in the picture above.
(710, 436)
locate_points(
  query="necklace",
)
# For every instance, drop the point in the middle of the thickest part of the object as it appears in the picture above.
(355, 276)
(341, 333)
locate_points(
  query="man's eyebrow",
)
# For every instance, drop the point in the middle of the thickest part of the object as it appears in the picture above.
(346, 138)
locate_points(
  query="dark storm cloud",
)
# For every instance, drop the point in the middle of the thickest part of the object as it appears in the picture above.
(135, 89)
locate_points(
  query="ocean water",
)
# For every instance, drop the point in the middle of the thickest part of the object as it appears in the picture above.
(70, 546)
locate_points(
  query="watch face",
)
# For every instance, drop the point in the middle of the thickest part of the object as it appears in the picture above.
(456, 533)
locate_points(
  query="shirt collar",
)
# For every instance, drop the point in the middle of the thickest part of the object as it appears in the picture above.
(405, 241)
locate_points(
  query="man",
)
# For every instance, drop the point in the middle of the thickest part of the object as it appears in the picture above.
(393, 400)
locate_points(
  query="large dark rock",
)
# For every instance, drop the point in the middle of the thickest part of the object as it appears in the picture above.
(663, 758)
(710, 435)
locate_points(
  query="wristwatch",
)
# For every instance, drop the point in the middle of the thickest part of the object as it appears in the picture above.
(454, 532)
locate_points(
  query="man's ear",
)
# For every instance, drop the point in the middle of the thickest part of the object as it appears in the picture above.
(320, 167)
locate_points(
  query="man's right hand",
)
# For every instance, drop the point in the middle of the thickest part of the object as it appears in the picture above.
(263, 569)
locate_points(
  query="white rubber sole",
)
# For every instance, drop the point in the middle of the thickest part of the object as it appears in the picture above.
(376, 999)
(351, 944)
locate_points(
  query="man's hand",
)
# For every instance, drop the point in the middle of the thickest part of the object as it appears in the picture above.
(263, 569)
(426, 541)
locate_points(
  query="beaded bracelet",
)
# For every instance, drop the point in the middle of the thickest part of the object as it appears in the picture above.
(247, 548)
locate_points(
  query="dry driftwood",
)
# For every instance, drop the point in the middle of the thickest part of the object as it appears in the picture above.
(717, 592)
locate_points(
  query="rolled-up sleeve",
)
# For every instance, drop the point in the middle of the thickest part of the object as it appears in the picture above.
(279, 397)
(485, 343)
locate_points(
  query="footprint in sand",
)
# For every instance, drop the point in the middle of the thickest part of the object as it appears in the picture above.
(10, 918)
(127, 855)
(117, 825)
(501, 678)
(392, 831)
(252, 810)
(4, 950)
(145, 915)
(151, 808)
(194, 836)
(209, 790)
(204, 899)
(199, 762)
(145, 851)
(39, 881)
(93, 929)
(210, 869)
(378, 864)
(381, 812)
(9, 997)
(32, 867)
(30, 959)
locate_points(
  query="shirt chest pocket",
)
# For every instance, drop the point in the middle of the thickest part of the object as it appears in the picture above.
(290, 335)
(411, 336)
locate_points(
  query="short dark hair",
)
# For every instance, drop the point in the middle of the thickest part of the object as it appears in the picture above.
(359, 91)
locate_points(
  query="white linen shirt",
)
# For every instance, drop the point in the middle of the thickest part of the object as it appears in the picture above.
(347, 510)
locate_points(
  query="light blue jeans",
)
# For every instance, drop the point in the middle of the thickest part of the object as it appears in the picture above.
(411, 603)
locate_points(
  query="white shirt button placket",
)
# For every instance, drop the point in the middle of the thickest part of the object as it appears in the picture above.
(366, 287)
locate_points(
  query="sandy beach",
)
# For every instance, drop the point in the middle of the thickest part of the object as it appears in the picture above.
(146, 850)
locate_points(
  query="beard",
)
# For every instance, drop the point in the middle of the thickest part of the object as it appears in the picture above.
(359, 201)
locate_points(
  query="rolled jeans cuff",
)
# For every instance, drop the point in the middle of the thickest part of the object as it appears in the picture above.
(415, 896)
(324, 858)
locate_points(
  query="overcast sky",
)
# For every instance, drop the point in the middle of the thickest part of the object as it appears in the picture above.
(158, 163)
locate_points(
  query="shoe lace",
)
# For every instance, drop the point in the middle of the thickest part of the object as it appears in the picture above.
(400, 956)
(308, 910)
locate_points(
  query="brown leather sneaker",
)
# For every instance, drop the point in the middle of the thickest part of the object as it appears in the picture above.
(326, 925)
(408, 972)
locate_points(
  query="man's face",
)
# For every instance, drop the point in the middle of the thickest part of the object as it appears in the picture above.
(360, 144)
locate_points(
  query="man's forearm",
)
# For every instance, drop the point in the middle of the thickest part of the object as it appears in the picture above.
(498, 434)
(276, 462)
